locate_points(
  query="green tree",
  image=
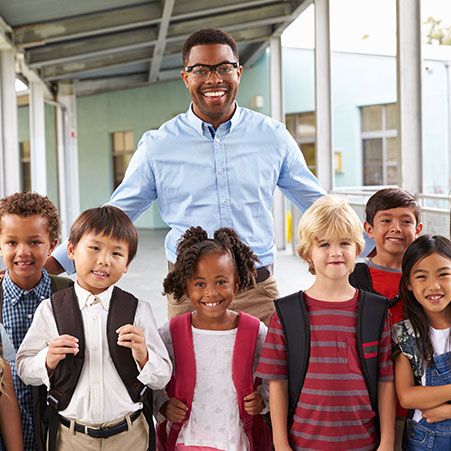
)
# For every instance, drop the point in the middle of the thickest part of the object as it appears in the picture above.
(436, 32)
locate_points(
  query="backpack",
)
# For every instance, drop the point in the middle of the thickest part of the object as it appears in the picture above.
(360, 278)
(372, 310)
(65, 377)
(181, 385)
(39, 393)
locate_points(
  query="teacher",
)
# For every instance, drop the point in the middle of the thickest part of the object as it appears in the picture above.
(217, 165)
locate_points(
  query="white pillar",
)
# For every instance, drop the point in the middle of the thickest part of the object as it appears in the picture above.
(277, 112)
(68, 180)
(323, 104)
(38, 155)
(408, 70)
(9, 145)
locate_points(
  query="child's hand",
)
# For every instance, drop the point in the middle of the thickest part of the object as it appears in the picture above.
(436, 414)
(133, 337)
(174, 410)
(58, 348)
(253, 403)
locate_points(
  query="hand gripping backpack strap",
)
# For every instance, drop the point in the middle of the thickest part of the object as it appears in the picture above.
(182, 384)
(243, 366)
(360, 278)
(65, 377)
(372, 312)
(122, 311)
(294, 320)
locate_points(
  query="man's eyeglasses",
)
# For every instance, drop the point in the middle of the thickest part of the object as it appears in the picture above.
(202, 71)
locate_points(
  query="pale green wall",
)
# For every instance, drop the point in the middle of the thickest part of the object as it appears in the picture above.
(138, 109)
(50, 143)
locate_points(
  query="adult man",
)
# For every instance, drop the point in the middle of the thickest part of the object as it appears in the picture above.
(216, 165)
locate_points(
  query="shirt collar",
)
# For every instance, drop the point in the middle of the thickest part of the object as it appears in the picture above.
(85, 298)
(199, 125)
(41, 291)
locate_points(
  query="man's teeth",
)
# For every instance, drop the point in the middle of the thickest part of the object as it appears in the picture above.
(24, 263)
(213, 93)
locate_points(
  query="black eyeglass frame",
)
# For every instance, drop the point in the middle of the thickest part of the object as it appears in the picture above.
(213, 67)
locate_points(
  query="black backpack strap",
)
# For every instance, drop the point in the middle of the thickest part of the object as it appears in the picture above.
(293, 318)
(370, 324)
(65, 377)
(58, 283)
(122, 311)
(360, 278)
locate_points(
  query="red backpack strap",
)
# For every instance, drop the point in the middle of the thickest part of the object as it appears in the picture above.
(183, 383)
(243, 365)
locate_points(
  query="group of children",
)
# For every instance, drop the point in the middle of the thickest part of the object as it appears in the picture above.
(92, 368)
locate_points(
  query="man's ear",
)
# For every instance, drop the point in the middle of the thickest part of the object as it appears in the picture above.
(184, 76)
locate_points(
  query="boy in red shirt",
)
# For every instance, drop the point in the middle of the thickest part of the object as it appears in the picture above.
(331, 382)
(393, 222)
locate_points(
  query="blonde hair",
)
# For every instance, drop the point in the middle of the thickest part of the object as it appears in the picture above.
(330, 217)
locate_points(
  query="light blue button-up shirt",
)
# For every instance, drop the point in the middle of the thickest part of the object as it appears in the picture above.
(215, 178)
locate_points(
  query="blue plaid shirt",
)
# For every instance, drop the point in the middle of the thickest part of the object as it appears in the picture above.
(18, 312)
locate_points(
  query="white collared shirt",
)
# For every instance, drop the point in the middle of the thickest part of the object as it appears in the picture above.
(100, 395)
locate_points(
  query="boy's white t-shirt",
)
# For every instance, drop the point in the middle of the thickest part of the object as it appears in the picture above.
(440, 344)
(214, 420)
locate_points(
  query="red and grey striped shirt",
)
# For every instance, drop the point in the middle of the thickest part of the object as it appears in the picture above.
(334, 409)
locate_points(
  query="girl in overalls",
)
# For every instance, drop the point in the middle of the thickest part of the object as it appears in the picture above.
(422, 344)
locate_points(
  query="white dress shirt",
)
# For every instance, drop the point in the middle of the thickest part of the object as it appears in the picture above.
(100, 395)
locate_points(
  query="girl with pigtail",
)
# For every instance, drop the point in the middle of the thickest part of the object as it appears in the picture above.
(212, 401)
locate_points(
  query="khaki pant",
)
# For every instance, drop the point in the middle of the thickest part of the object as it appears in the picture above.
(257, 301)
(135, 438)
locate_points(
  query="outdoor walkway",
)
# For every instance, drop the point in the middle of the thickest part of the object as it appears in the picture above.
(148, 269)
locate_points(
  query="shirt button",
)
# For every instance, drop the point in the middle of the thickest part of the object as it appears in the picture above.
(95, 318)
(220, 171)
(30, 315)
(217, 140)
(224, 201)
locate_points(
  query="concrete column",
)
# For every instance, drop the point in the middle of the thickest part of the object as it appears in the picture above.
(69, 192)
(277, 112)
(10, 179)
(408, 68)
(323, 103)
(37, 139)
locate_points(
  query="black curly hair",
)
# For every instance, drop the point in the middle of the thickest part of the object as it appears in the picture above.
(195, 243)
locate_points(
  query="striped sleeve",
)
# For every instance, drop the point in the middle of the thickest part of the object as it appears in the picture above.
(273, 360)
(385, 348)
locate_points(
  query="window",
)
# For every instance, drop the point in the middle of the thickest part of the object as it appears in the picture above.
(380, 144)
(302, 128)
(123, 148)
(25, 163)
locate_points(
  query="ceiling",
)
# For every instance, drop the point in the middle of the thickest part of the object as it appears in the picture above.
(114, 44)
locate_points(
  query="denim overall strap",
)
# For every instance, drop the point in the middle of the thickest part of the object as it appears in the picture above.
(433, 436)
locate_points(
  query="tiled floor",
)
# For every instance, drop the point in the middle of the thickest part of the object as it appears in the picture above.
(147, 271)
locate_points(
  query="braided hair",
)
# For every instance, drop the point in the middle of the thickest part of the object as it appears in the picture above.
(195, 243)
